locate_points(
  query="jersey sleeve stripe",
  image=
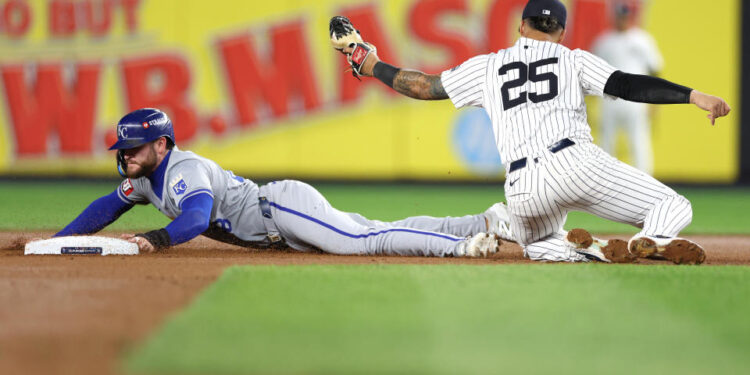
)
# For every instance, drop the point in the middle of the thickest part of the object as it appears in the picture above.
(194, 193)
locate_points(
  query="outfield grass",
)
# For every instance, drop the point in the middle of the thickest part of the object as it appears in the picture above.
(523, 319)
(40, 205)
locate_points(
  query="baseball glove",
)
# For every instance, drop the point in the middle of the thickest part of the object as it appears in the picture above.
(344, 35)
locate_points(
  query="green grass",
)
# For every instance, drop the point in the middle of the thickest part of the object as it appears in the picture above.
(40, 205)
(52, 205)
(526, 319)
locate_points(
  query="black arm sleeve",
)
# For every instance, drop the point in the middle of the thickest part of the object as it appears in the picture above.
(385, 73)
(646, 89)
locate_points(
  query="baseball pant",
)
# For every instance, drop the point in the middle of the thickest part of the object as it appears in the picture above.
(306, 220)
(585, 178)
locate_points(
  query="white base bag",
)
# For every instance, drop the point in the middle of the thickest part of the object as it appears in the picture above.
(76, 245)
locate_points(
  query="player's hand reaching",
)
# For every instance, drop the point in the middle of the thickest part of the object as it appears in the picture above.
(360, 55)
(713, 104)
(143, 245)
(362, 58)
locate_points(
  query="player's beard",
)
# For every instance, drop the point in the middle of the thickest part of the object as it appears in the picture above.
(136, 170)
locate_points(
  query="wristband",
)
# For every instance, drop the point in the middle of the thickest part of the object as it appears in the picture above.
(385, 72)
(159, 238)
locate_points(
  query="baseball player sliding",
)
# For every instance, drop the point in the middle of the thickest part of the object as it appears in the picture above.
(533, 92)
(202, 198)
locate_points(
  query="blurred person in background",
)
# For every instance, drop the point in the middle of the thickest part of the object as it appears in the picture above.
(630, 49)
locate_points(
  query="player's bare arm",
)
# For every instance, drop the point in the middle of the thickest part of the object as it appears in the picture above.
(364, 61)
(418, 85)
(412, 83)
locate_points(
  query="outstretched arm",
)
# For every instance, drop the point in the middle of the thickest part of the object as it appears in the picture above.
(194, 220)
(415, 84)
(646, 89)
(96, 216)
(411, 83)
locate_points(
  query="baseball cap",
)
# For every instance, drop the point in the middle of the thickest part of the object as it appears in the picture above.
(541, 8)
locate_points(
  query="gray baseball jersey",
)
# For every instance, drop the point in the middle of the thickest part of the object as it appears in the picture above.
(296, 212)
(534, 94)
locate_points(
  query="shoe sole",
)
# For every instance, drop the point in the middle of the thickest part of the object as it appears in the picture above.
(616, 251)
(581, 238)
(678, 251)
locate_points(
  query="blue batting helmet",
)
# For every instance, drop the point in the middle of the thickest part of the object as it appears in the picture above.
(142, 126)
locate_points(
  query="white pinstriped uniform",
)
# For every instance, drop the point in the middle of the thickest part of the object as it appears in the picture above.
(534, 95)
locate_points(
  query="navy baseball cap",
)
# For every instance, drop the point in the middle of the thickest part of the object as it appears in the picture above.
(541, 8)
(142, 126)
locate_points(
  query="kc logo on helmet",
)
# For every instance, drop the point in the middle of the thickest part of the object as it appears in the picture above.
(122, 131)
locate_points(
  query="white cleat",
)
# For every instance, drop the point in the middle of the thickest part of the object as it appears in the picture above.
(678, 250)
(479, 245)
(498, 221)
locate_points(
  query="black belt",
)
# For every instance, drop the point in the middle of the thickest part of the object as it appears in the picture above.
(553, 148)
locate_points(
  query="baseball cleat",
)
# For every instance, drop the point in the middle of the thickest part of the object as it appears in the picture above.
(480, 244)
(608, 251)
(677, 250)
(498, 221)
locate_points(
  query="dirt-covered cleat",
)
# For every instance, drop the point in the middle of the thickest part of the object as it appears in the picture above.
(677, 250)
(580, 238)
(643, 247)
(479, 245)
(608, 251)
(682, 251)
(617, 251)
(498, 221)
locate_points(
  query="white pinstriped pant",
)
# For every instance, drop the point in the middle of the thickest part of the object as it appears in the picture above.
(585, 178)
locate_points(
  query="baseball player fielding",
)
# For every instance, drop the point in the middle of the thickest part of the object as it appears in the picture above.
(534, 94)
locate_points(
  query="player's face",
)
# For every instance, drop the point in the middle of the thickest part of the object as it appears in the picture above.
(141, 160)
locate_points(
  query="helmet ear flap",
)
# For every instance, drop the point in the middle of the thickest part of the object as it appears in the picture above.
(122, 167)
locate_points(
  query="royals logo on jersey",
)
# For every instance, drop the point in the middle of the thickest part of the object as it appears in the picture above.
(126, 187)
(178, 185)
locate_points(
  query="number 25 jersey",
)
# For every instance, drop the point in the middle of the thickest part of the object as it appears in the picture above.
(533, 93)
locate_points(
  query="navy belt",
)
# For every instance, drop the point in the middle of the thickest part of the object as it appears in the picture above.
(265, 207)
(271, 228)
(553, 148)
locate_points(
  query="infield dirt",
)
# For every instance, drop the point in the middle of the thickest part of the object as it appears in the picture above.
(79, 314)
